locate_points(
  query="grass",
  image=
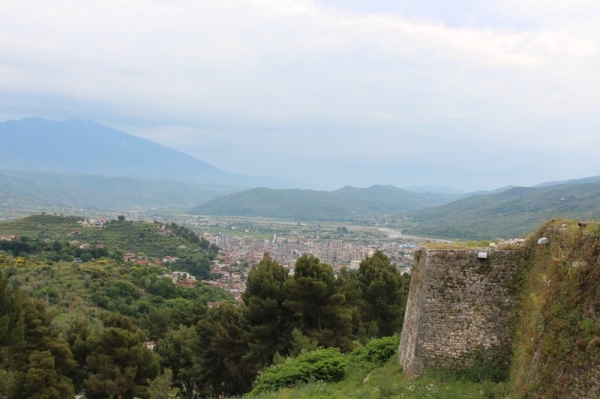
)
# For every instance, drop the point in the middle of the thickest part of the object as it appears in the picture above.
(388, 381)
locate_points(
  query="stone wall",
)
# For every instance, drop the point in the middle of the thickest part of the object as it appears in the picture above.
(459, 308)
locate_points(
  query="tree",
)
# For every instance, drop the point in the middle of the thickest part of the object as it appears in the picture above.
(268, 322)
(319, 304)
(11, 322)
(35, 361)
(161, 386)
(221, 347)
(177, 353)
(384, 293)
(76, 336)
(119, 364)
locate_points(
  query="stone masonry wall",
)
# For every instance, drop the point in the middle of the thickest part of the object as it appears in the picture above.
(459, 307)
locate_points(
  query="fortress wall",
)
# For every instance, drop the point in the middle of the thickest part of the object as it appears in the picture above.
(459, 308)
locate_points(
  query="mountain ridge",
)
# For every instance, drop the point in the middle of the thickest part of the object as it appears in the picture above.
(345, 203)
(507, 214)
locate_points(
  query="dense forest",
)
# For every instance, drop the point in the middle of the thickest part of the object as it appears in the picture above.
(110, 328)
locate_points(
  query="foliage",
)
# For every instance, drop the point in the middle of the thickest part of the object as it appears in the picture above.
(319, 303)
(161, 386)
(119, 364)
(377, 351)
(388, 381)
(220, 349)
(85, 329)
(269, 323)
(384, 295)
(319, 365)
(177, 353)
(34, 360)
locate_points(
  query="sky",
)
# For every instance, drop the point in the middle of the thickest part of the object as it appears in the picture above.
(463, 94)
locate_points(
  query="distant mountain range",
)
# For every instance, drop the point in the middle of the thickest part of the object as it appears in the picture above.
(347, 203)
(502, 213)
(84, 164)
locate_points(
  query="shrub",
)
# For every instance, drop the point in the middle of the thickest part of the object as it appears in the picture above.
(377, 351)
(320, 365)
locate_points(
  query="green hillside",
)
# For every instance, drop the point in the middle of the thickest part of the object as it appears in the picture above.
(74, 239)
(511, 213)
(347, 203)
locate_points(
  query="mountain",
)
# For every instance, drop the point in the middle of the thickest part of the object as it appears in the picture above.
(510, 213)
(344, 204)
(84, 147)
(118, 193)
(87, 148)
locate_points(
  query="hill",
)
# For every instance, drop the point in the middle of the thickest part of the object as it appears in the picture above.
(47, 188)
(347, 203)
(510, 213)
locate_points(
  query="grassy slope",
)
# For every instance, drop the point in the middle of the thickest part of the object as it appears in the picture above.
(511, 213)
(389, 382)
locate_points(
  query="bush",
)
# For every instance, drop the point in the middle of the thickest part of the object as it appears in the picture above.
(320, 365)
(377, 351)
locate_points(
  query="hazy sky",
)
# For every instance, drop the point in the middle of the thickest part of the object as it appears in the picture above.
(341, 92)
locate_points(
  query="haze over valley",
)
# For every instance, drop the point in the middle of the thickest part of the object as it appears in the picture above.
(74, 165)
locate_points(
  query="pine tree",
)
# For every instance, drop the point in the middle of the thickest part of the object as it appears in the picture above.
(177, 353)
(119, 364)
(384, 293)
(319, 304)
(268, 322)
(221, 347)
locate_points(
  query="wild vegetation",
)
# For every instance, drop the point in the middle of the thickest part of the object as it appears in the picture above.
(69, 326)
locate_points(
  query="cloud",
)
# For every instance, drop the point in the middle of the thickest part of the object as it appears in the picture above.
(344, 80)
